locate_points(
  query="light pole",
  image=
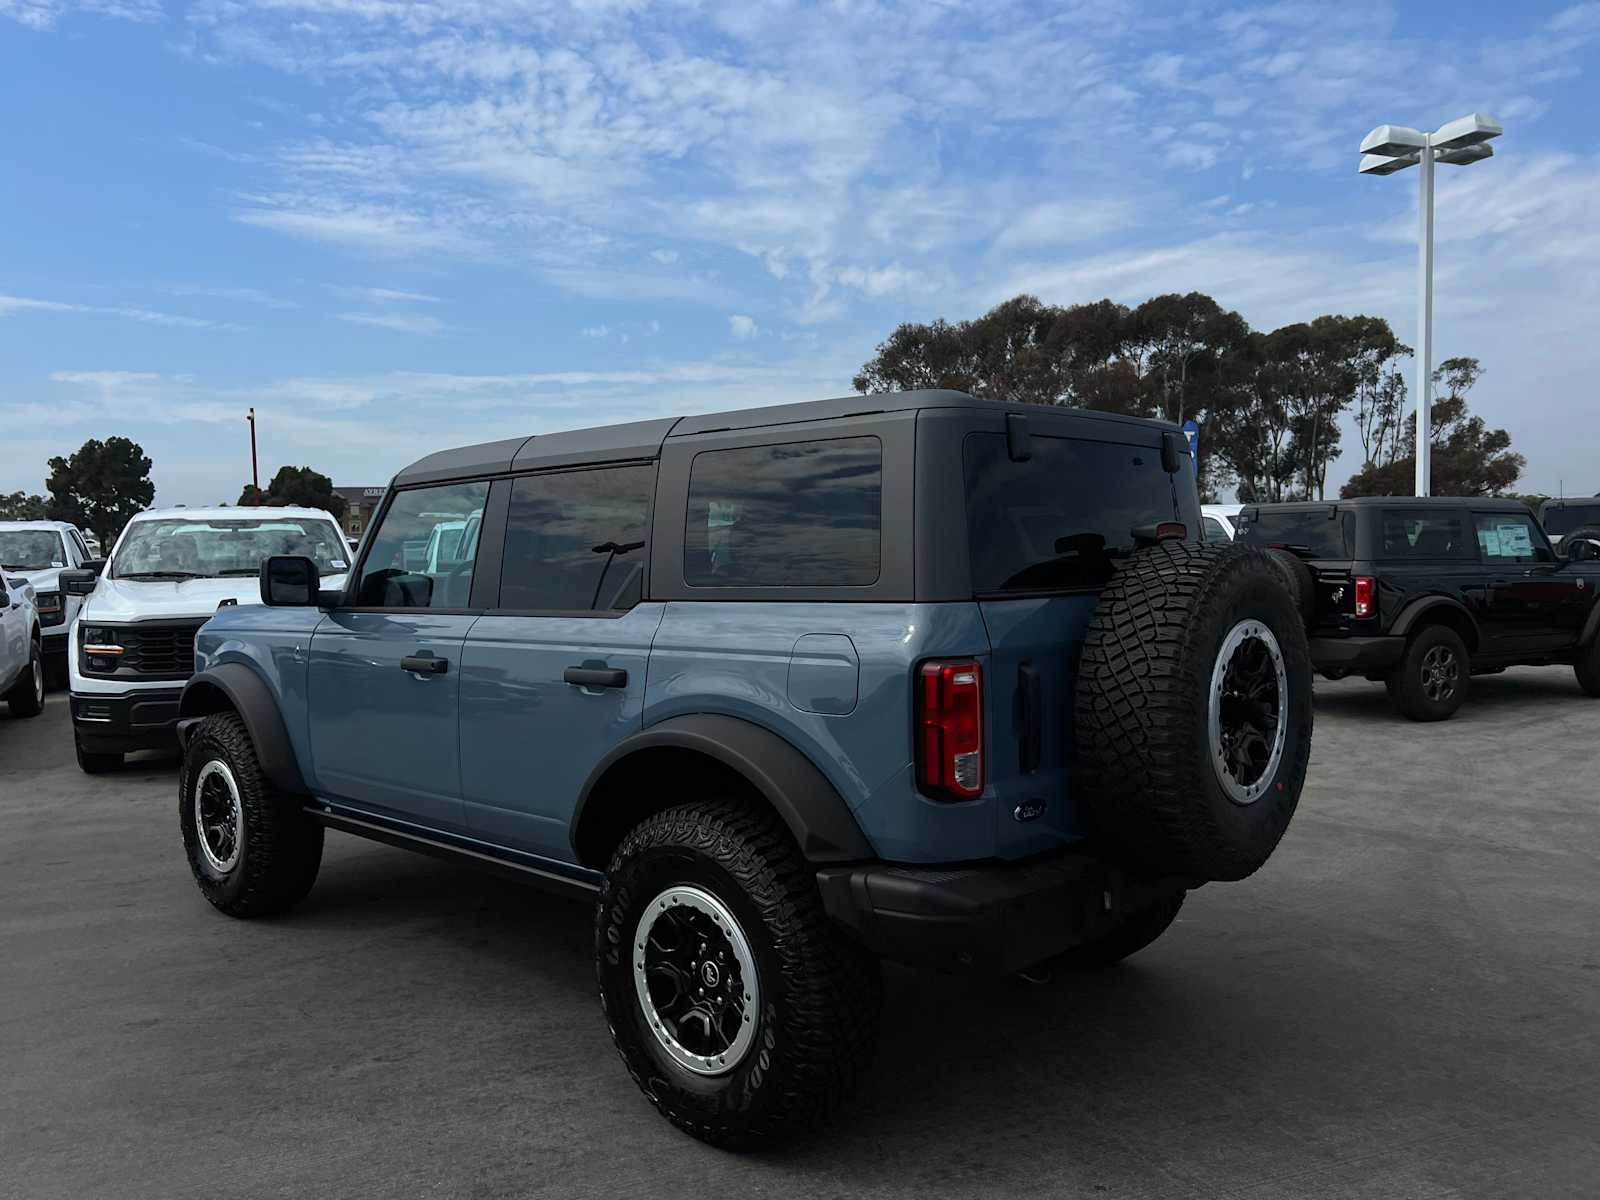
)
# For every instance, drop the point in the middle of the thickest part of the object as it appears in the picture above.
(255, 477)
(1391, 148)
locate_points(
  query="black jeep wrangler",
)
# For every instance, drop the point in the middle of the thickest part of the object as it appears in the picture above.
(1423, 592)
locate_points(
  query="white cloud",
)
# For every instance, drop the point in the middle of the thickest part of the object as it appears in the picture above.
(44, 14)
(242, 295)
(398, 322)
(10, 305)
(595, 331)
(381, 295)
(742, 326)
(665, 257)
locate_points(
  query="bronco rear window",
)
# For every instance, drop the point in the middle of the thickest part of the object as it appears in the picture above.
(1564, 518)
(1062, 519)
(1311, 533)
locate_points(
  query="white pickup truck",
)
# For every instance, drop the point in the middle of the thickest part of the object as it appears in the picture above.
(39, 551)
(21, 649)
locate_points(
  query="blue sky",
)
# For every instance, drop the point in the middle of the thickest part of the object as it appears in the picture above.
(392, 226)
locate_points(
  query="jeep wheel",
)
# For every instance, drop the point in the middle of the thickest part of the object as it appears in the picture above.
(251, 848)
(96, 762)
(741, 1012)
(1587, 668)
(1133, 935)
(1430, 681)
(1193, 710)
(26, 697)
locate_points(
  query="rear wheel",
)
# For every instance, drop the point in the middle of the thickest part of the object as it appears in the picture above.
(1430, 681)
(1133, 935)
(1587, 668)
(26, 697)
(251, 848)
(741, 1012)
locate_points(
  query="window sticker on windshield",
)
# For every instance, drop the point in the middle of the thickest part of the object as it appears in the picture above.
(55, 563)
(339, 564)
(1514, 541)
(1489, 542)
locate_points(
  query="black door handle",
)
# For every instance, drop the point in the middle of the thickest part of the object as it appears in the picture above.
(425, 664)
(595, 677)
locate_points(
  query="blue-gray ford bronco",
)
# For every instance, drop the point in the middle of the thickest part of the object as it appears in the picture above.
(786, 691)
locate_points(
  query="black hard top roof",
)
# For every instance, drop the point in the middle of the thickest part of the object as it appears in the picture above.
(643, 439)
(1490, 503)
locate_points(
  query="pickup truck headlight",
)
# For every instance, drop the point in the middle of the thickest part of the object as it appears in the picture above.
(101, 649)
(50, 608)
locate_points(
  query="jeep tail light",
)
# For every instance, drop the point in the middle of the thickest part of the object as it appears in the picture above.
(950, 728)
(1364, 591)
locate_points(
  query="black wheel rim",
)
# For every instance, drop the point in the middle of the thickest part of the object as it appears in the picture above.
(218, 817)
(1249, 685)
(696, 980)
(1441, 673)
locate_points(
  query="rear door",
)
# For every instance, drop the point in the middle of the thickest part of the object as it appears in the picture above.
(1526, 593)
(553, 676)
(384, 674)
(1045, 536)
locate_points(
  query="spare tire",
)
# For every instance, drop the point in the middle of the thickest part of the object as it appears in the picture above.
(1301, 584)
(1193, 710)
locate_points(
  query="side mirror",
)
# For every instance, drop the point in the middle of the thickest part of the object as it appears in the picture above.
(289, 581)
(80, 582)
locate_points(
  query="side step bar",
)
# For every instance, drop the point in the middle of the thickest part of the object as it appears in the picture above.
(540, 872)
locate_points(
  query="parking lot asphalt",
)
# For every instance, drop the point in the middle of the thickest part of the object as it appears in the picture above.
(1404, 1002)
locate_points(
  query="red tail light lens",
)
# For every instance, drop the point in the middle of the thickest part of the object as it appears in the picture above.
(1365, 589)
(950, 729)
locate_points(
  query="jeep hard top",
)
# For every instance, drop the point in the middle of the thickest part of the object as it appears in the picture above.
(1424, 592)
(785, 691)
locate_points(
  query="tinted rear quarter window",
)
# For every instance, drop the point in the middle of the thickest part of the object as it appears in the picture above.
(575, 540)
(1062, 519)
(1313, 533)
(801, 514)
(1425, 533)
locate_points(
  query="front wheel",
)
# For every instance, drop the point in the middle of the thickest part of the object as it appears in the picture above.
(251, 848)
(26, 697)
(741, 1012)
(1430, 681)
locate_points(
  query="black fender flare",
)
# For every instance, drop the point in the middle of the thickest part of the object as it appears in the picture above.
(249, 696)
(817, 816)
(1418, 608)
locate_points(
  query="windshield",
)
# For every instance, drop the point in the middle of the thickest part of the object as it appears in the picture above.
(1562, 518)
(1310, 532)
(186, 548)
(31, 549)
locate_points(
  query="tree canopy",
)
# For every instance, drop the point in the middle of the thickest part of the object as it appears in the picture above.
(1269, 404)
(101, 486)
(298, 486)
(20, 506)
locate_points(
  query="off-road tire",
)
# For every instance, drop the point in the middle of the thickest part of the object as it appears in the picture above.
(1142, 711)
(1302, 586)
(26, 697)
(818, 1007)
(1406, 683)
(1133, 935)
(1587, 668)
(96, 762)
(281, 848)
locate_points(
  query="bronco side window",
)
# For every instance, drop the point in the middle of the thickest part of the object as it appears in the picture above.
(1511, 537)
(418, 557)
(575, 540)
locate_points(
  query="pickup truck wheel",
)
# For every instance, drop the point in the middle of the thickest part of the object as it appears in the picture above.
(96, 762)
(1587, 668)
(1430, 681)
(251, 848)
(1193, 710)
(1133, 935)
(741, 1012)
(26, 697)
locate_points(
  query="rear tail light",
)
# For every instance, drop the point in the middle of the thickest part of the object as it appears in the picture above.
(950, 729)
(1365, 586)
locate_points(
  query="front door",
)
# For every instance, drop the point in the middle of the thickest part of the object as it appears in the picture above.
(554, 677)
(384, 678)
(1525, 592)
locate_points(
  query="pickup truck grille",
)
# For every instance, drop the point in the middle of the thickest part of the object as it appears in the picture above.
(158, 651)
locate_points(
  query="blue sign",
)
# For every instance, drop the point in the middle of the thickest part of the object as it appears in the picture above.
(1191, 430)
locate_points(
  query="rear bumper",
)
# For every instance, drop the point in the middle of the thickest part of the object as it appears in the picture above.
(145, 719)
(990, 917)
(1356, 656)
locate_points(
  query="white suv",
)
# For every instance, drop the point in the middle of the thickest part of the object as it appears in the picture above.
(39, 551)
(133, 641)
(21, 657)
